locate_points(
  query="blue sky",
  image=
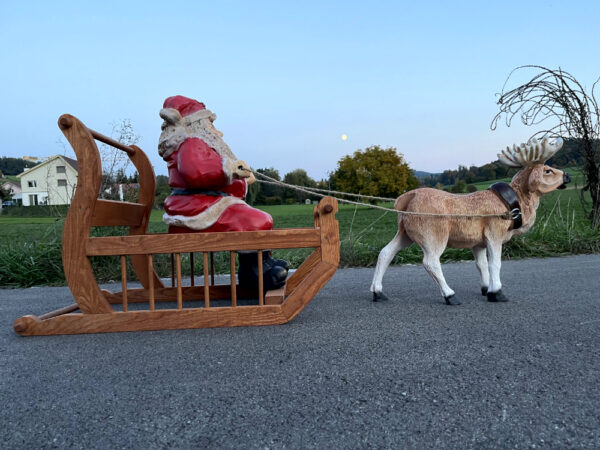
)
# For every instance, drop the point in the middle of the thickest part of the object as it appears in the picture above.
(286, 80)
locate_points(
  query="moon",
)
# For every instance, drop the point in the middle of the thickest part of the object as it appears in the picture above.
(344, 137)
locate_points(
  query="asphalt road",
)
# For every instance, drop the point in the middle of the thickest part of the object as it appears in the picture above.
(346, 373)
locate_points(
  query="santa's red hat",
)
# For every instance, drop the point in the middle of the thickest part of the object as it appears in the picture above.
(184, 105)
(178, 107)
(179, 112)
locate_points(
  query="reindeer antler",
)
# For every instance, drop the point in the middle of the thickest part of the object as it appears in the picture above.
(533, 152)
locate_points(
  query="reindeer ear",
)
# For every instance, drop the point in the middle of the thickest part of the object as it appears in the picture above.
(535, 177)
(170, 115)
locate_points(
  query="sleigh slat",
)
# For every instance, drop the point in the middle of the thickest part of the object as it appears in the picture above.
(203, 242)
(110, 213)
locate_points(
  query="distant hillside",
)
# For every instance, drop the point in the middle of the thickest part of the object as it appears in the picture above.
(422, 174)
(568, 156)
(13, 166)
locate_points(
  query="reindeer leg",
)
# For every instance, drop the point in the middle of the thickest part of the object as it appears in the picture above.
(480, 254)
(494, 293)
(400, 241)
(431, 261)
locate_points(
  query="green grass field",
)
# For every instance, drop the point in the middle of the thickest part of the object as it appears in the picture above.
(30, 247)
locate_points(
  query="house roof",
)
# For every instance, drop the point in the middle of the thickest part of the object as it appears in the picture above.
(4, 181)
(70, 161)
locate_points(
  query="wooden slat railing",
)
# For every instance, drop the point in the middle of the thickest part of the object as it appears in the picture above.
(203, 242)
(232, 279)
(206, 285)
(151, 283)
(179, 286)
(124, 281)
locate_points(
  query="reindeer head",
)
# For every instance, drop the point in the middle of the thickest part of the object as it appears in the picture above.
(531, 156)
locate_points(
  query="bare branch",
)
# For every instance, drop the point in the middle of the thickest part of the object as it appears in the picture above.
(556, 95)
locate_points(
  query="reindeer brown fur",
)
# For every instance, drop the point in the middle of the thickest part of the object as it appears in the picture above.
(484, 235)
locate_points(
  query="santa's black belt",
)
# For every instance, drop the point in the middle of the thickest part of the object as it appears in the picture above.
(510, 199)
(181, 191)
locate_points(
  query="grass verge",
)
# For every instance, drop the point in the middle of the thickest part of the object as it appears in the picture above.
(30, 247)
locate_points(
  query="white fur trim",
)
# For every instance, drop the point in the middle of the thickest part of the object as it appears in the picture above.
(170, 140)
(199, 115)
(170, 115)
(206, 218)
(229, 166)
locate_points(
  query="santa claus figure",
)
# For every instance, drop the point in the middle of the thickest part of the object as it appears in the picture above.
(209, 184)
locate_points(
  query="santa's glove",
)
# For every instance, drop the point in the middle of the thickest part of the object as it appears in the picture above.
(239, 169)
(244, 171)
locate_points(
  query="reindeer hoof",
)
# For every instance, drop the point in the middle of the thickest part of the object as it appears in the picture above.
(483, 291)
(496, 297)
(451, 300)
(379, 297)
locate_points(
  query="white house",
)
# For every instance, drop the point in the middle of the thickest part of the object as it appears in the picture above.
(52, 182)
(13, 187)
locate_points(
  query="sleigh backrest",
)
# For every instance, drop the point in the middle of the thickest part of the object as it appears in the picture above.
(92, 211)
(87, 210)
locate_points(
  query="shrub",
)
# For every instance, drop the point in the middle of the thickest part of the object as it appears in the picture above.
(36, 211)
(276, 200)
(31, 263)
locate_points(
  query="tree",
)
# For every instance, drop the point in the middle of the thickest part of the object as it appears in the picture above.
(298, 177)
(4, 193)
(14, 166)
(573, 112)
(162, 191)
(120, 176)
(375, 171)
(115, 162)
(269, 193)
(459, 187)
(252, 193)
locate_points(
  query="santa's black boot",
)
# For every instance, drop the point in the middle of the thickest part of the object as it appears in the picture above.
(281, 263)
(274, 271)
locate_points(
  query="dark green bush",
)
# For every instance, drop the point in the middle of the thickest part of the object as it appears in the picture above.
(273, 200)
(36, 211)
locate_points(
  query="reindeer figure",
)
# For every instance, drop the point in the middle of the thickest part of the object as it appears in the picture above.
(485, 235)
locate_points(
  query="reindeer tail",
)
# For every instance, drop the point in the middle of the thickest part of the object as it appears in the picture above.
(403, 201)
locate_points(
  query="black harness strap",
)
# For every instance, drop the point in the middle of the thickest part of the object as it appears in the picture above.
(510, 199)
(181, 191)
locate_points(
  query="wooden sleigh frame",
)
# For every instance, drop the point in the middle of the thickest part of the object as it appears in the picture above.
(97, 314)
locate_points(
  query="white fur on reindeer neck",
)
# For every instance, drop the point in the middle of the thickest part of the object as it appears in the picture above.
(534, 152)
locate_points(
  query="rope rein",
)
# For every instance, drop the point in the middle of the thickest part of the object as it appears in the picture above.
(324, 192)
(315, 190)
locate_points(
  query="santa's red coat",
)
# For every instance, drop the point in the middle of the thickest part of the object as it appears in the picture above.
(196, 167)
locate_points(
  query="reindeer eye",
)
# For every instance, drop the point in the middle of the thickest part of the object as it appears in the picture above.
(549, 171)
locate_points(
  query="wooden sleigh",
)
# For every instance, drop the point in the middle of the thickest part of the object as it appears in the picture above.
(136, 309)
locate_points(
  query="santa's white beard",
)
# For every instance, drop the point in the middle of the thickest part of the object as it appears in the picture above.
(174, 135)
(170, 139)
(205, 130)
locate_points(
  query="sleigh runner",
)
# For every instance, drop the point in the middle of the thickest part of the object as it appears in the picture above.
(96, 307)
